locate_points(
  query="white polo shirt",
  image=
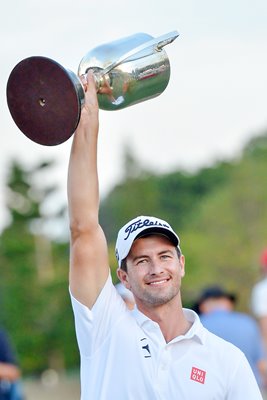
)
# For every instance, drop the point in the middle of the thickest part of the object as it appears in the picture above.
(124, 356)
(259, 299)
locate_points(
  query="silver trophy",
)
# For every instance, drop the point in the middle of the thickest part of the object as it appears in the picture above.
(45, 99)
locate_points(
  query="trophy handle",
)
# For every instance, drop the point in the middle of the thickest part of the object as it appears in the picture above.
(156, 44)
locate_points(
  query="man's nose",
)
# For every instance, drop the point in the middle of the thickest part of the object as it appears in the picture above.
(155, 267)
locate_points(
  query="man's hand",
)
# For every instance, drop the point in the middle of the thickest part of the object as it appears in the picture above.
(89, 112)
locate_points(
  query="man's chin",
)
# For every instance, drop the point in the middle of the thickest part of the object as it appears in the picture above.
(159, 299)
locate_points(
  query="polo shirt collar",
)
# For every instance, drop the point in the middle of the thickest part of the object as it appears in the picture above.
(196, 332)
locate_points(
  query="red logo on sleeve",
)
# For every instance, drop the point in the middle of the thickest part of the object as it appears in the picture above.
(198, 375)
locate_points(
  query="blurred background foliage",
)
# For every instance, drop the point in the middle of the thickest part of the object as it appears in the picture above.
(220, 213)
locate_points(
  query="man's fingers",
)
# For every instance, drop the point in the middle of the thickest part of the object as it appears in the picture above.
(91, 81)
(90, 92)
(90, 106)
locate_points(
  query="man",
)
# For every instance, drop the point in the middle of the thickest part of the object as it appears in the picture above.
(158, 350)
(218, 315)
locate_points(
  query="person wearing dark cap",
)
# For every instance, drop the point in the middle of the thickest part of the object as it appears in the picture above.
(159, 350)
(259, 297)
(217, 313)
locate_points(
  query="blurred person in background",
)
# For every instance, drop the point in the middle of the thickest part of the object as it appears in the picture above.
(126, 294)
(259, 298)
(216, 308)
(10, 387)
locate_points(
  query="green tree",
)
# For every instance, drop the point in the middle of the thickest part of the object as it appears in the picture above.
(229, 229)
(35, 305)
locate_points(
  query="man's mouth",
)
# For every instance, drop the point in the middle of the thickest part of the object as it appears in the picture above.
(157, 283)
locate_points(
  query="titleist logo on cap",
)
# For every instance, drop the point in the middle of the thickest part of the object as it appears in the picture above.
(140, 224)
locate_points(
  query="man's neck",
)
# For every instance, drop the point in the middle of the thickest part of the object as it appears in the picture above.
(170, 317)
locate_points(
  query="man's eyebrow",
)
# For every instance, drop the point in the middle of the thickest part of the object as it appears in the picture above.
(139, 256)
(165, 251)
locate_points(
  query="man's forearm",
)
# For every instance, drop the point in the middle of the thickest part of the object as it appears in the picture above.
(83, 191)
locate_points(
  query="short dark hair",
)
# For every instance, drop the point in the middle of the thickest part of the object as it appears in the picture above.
(124, 261)
(124, 264)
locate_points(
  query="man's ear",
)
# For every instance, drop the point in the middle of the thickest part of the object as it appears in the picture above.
(123, 277)
(182, 264)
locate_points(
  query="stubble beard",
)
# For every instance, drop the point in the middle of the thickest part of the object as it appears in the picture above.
(160, 297)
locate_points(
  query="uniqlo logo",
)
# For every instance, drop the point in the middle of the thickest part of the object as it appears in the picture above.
(198, 375)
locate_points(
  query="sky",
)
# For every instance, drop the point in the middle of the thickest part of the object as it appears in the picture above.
(214, 103)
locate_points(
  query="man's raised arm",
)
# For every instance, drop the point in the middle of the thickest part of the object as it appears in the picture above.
(88, 249)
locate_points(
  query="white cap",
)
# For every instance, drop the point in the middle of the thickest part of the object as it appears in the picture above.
(138, 227)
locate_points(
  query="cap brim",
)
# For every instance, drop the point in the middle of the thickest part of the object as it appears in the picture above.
(159, 231)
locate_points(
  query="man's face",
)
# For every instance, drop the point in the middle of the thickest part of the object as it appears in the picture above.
(154, 271)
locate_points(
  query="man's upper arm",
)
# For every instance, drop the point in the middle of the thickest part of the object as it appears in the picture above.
(89, 268)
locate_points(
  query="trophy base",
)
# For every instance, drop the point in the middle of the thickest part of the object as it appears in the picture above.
(44, 100)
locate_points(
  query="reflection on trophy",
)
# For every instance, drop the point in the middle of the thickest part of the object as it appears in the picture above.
(45, 99)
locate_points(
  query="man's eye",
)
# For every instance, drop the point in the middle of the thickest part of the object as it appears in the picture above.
(142, 261)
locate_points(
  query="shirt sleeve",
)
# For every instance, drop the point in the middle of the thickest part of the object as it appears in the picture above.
(93, 326)
(243, 383)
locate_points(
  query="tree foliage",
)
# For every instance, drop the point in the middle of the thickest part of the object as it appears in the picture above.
(34, 270)
(229, 229)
